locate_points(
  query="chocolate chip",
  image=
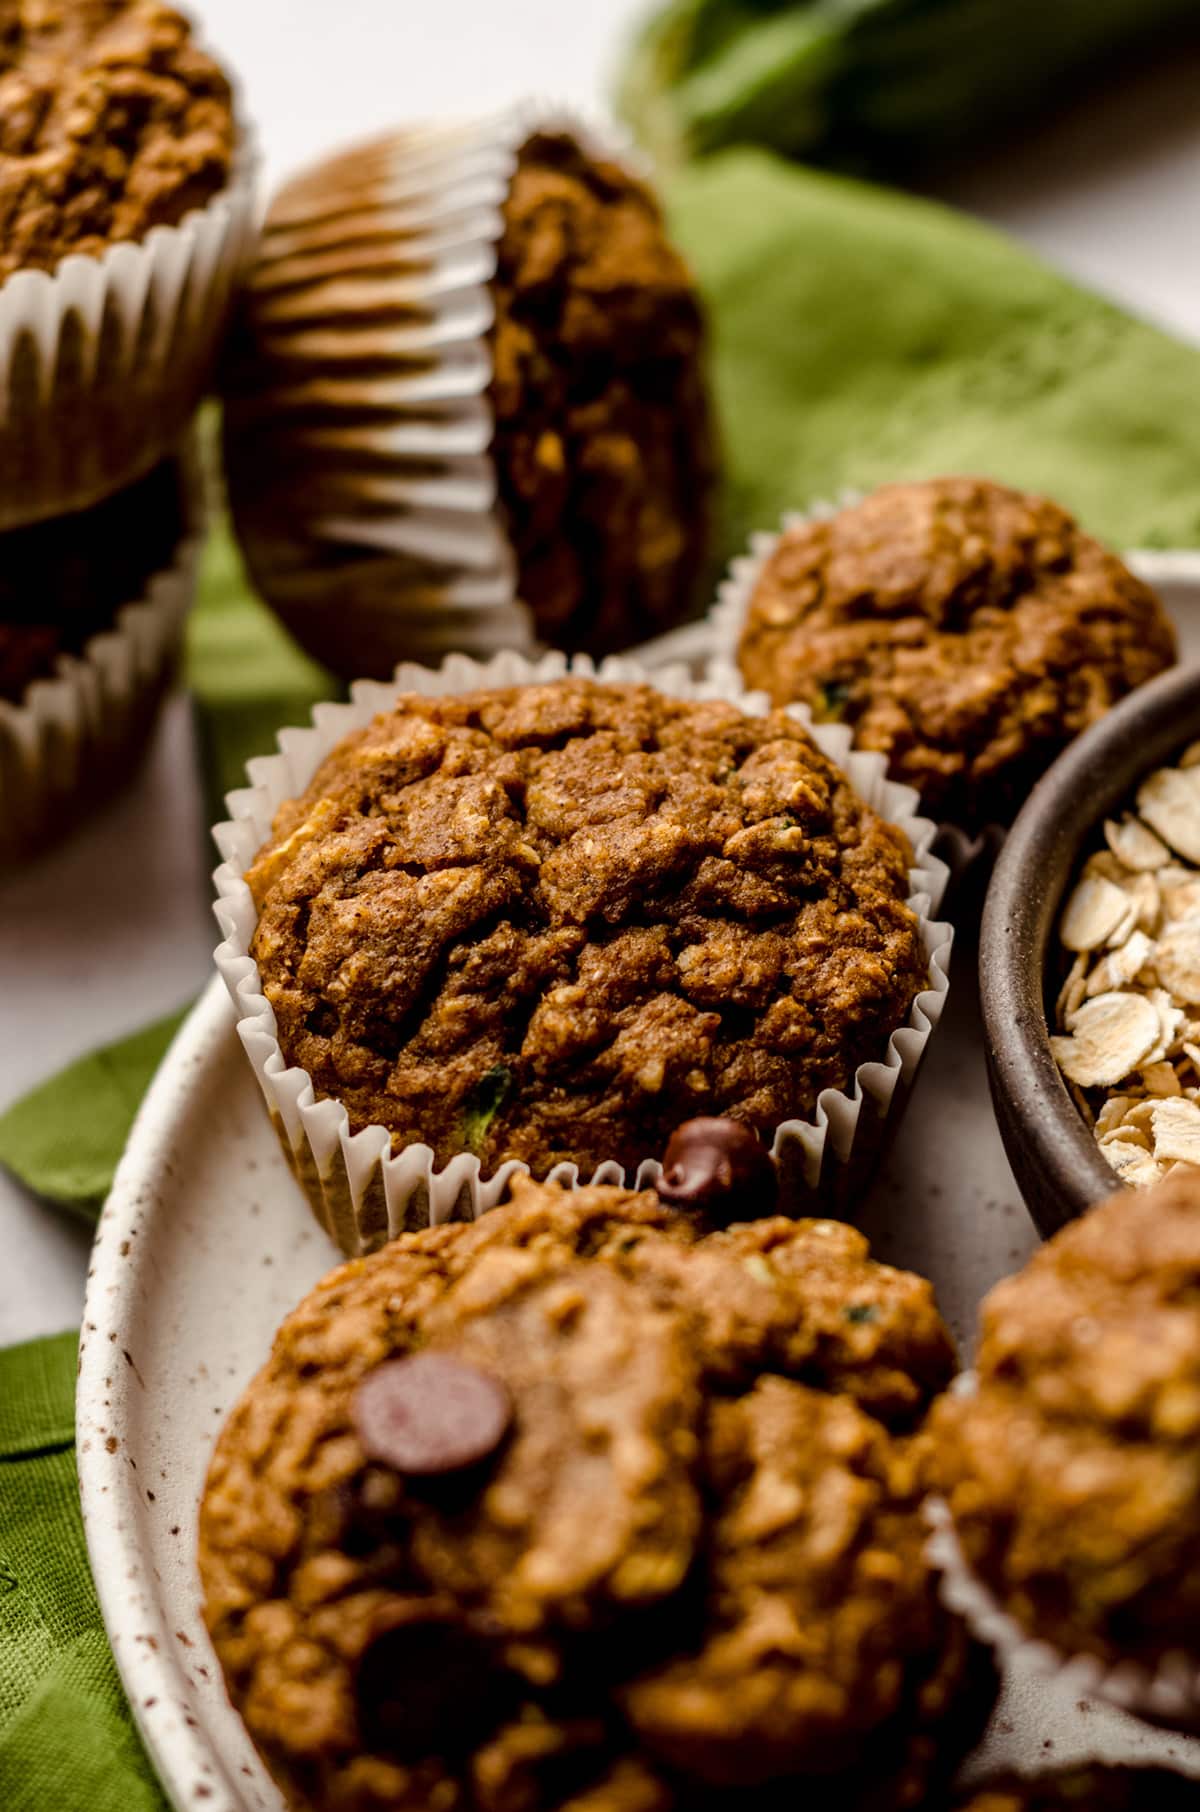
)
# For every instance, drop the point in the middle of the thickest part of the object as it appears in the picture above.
(423, 1684)
(719, 1169)
(431, 1414)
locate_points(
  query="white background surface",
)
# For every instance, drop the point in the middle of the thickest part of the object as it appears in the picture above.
(114, 929)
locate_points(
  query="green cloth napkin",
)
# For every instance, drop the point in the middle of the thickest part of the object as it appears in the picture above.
(858, 336)
(66, 1737)
(862, 335)
(96, 1100)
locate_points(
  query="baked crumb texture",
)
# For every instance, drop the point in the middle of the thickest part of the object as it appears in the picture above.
(1074, 1474)
(112, 122)
(965, 630)
(550, 922)
(604, 446)
(694, 1570)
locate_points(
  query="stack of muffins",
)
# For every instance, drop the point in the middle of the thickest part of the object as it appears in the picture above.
(126, 207)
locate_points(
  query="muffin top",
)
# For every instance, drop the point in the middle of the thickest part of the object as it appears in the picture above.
(1073, 1474)
(112, 122)
(1095, 1789)
(550, 922)
(64, 581)
(576, 1507)
(604, 447)
(966, 630)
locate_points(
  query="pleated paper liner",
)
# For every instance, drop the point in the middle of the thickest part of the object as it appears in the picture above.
(1167, 1695)
(369, 458)
(104, 360)
(362, 1191)
(73, 737)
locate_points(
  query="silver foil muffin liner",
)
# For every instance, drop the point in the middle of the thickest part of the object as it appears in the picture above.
(378, 406)
(73, 736)
(362, 1191)
(962, 851)
(1168, 1694)
(104, 360)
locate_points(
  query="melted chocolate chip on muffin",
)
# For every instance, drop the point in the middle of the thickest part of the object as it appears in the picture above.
(551, 922)
(112, 122)
(965, 630)
(678, 1580)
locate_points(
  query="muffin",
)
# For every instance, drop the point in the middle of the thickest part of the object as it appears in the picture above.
(92, 608)
(547, 922)
(965, 630)
(415, 470)
(1090, 1789)
(1072, 1471)
(573, 1508)
(117, 129)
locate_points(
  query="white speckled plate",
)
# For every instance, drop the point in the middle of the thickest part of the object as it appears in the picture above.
(206, 1243)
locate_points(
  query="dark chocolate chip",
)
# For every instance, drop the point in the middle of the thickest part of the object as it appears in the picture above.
(719, 1169)
(424, 1684)
(431, 1414)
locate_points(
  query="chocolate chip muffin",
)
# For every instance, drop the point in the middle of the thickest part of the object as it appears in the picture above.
(63, 582)
(966, 630)
(577, 1507)
(550, 922)
(1096, 1789)
(112, 122)
(389, 500)
(1073, 1472)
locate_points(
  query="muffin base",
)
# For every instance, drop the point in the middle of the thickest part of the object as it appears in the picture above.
(104, 360)
(75, 737)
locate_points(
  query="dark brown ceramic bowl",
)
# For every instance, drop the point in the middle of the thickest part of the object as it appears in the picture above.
(1053, 1154)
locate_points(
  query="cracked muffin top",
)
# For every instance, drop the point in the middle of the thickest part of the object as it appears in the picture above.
(551, 922)
(965, 630)
(1073, 1473)
(112, 121)
(682, 1561)
(1095, 1789)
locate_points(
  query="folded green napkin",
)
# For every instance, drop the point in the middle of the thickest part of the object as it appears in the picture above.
(858, 336)
(66, 1738)
(862, 335)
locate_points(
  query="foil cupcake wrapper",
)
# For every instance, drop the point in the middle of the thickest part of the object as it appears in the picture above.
(371, 309)
(965, 853)
(74, 736)
(1168, 1694)
(361, 1191)
(104, 360)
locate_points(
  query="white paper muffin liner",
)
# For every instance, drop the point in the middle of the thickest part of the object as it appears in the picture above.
(73, 736)
(1168, 1694)
(962, 851)
(361, 1191)
(378, 422)
(104, 360)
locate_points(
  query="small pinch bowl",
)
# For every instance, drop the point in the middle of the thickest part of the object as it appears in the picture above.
(1060, 1169)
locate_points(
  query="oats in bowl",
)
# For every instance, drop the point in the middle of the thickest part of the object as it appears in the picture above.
(1128, 1013)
